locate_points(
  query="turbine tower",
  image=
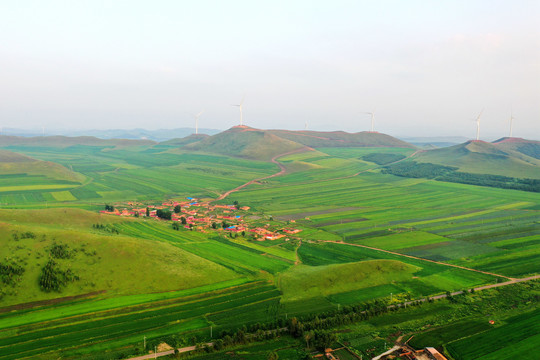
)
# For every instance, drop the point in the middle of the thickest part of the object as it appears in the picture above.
(197, 122)
(511, 122)
(372, 119)
(478, 125)
(305, 125)
(240, 107)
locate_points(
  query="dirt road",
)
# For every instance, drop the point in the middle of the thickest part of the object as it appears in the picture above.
(419, 258)
(282, 171)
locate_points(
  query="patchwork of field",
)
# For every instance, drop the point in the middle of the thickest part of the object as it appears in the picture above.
(489, 229)
(96, 325)
(134, 173)
(365, 236)
(518, 337)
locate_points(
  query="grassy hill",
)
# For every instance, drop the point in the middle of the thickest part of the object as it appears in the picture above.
(341, 139)
(246, 142)
(530, 148)
(303, 281)
(480, 157)
(14, 165)
(101, 258)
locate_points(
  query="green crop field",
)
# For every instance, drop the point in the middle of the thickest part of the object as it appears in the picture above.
(520, 335)
(366, 237)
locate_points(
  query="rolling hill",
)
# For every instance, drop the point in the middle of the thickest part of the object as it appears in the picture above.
(245, 142)
(17, 165)
(480, 157)
(341, 139)
(530, 148)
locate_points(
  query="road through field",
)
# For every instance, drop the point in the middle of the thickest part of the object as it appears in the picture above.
(422, 259)
(282, 171)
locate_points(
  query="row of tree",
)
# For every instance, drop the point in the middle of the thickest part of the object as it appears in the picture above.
(450, 174)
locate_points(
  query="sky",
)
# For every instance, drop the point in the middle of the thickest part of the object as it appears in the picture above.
(425, 68)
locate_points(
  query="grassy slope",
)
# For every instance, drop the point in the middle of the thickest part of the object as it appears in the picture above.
(14, 163)
(121, 264)
(245, 142)
(483, 158)
(341, 139)
(306, 281)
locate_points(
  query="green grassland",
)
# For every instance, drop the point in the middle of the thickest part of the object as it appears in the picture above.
(308, 281)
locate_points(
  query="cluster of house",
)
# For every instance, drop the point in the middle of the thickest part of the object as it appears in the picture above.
(203, 216)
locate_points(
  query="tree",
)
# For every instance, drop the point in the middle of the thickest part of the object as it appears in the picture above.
(183, 220)
(147, 211)
(164, 214)
(177, 209)
(109, 207)
(175, 226)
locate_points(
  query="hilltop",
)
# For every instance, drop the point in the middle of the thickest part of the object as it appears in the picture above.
(246, 142)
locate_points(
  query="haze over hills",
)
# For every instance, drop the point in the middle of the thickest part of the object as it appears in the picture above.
(65, 141)
(133, 134)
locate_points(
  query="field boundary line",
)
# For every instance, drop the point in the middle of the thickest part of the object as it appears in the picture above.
(423, 259)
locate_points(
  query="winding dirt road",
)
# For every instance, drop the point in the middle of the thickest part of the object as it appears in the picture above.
(282, 171)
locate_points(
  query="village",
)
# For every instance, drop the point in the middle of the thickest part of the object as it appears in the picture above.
(204, 217)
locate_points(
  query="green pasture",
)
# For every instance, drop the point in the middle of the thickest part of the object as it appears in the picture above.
(314, 281)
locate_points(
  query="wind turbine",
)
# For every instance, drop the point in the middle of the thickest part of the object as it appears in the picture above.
(305, 125)
(478, 125)
(511, 122)
(197, 122)
(240, 107)
(372, 119)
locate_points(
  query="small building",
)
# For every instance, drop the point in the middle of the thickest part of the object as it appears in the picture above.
(434, 354)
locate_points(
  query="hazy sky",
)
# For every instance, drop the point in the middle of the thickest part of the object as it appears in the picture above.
(426, 67)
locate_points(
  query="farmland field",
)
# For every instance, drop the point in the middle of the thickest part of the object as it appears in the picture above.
(364, 237)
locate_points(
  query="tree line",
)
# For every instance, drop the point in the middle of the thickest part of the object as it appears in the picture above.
(413, 169)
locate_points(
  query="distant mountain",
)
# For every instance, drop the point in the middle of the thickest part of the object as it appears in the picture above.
(246, 142)
(65, 141)
(17, 164)
(341, 139)
(133, 134)
(481, 157)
